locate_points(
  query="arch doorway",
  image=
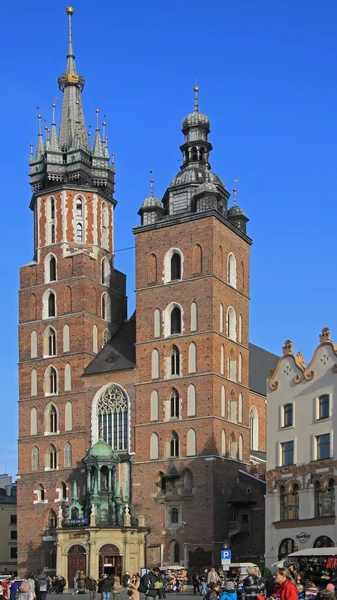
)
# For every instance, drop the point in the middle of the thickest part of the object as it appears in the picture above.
(287, 546)
(323, 542)
(110, 560)
(76, 562)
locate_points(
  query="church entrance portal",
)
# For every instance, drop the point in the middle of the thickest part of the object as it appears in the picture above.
(76, 562)
(110, 560)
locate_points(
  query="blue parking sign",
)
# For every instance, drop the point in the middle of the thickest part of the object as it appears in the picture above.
(226, 555)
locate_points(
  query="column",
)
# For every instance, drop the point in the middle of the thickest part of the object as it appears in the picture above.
(99, 479)
(109, 481)
(89, 481)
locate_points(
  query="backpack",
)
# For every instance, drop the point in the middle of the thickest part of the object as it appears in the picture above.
(42, 585)
(24, 586)
(144, 584)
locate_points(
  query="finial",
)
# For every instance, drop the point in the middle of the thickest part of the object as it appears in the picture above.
(104, 138)
(288, 347)
(151, 185)
(31, 148)
(196, 98)
(70, 11)
(113, 158)
(97, 113)
(324, 335)
(53, 122)
(39, 125)
(234, 196)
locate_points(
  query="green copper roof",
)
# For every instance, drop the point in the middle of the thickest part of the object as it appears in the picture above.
(102, 450)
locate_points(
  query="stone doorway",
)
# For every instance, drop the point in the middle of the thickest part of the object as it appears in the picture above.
(110, 561)
(76, 562)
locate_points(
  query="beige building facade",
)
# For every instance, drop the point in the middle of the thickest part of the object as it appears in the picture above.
(8, 525)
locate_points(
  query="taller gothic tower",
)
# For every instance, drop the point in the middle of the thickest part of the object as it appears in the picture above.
(72, 300)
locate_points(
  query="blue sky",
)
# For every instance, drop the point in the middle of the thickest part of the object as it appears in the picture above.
(267, 73)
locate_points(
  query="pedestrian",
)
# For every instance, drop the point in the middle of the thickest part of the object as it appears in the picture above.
(163, 580)
(76, 576)
(213, 591)
(203, 582)
(91, 586)
(196, 583)
(134, 587)
(150, 583)
(212, 576)
(254, 584)
(328, 593)
(229, 592)
(116, 588)
(126, 579)
(106, 586)
(285, 585)
(41, 585)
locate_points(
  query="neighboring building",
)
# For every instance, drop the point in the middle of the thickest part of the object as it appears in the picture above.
(8, 526)
(301, 451)
(171, 390)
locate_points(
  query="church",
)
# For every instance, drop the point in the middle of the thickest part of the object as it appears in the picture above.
(141, 439)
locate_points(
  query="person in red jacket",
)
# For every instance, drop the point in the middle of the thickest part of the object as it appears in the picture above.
(285, 585)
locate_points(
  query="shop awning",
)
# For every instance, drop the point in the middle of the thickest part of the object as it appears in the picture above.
(314, 552)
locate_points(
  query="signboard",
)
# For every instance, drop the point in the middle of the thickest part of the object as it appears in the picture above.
(75, 522)
(226, 555)
(303, 537)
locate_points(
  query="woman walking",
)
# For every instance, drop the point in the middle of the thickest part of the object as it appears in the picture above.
(285, 585)
(133, 587)
(116, 588)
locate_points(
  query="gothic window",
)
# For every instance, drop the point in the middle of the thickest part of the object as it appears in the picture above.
(240, 329)
(113, 418)
(33, 383)
(232, 408)
(51, 221)
(95, 339)
(231, 270)
(254, 428)
(50, 381)
(197, 259)
(52, 520)
(176, 553)
(49, 342)
(223, 443)
(52, 209)
(105, 272)
(152, 269)
(52, 419)
(106, 336)
(221, 318)
(175, 361)
(154, 447)
(233, 447)
(35, 458)
(79, 208)
(52, 457)
(156, 323)
(240, 367)
(67, 455)
(52, 233)
(174, 404)
(155, 364)
(194, 316)
(192, 358)
(191, 401)
(33, 344)
(175, 320)
(231, 366)
(64, 491)
(175, 266)
(49, 304)
(240, 408)
(105, 226)
(41, 493)
(222, 359)
(33, 421)
(52, 268)
(231, 323)
(240, 448)
(105, 307)
(67, 377)
(174, 515)
(174, 445)
(154, 409)
(223, 401)
(66, 338)
(68, 416)
(79, 232)
(191, 443)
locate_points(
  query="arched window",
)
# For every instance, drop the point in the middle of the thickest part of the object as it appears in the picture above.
(175, 553)
(41, 493)
(174, 445)
(174, 515)
(49, 342)
(95, 339)
(51, 221)
(154, 409)
(325, 499)
(175, 266)
(35, 458)
(233, 447)
(106, 336)
(175, 320)
(240, 329)
(68, 416)
(74, 513)
(240, 408)
(79, 208)
(50, 381)
(50, 268)
(222, 359)
(174, 404)
(52, 520)
(240, 448)
(152, 269)
(79, 232)
(33, 383)
(293, 503)
(192, 358)
(197, 259)
(52, 457)
(175, 361)
(240, 367)
(323, 541)
(49, 304)
(33, 344)
(191, 443)
(286, 547)
(155, 364)
(194, 316)
(64, 491)
(223, 401)
(33, 421)
(156, 323)
(232, 408)
(231, 366)
(194, 153)
(283, 504)
(223, 443)
(66, 338)
(52, 419)
(67, 377)
(231, 270)
(105, 307)
(188, 480)
(231, 323)
(191, 401)
(113, 417)
(254, 428)
(67, 455)
(154, 447)
(105, 226)
(221, 318)
(105, 272)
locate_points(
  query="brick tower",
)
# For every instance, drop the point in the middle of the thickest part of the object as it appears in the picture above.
(71, 301)
(192, 395)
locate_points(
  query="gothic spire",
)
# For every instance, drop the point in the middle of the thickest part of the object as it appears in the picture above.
(40, 144)
(72, 128)
(53, 142)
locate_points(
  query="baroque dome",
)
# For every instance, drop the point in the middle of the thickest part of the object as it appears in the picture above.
(195, 119)
(195, 174)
